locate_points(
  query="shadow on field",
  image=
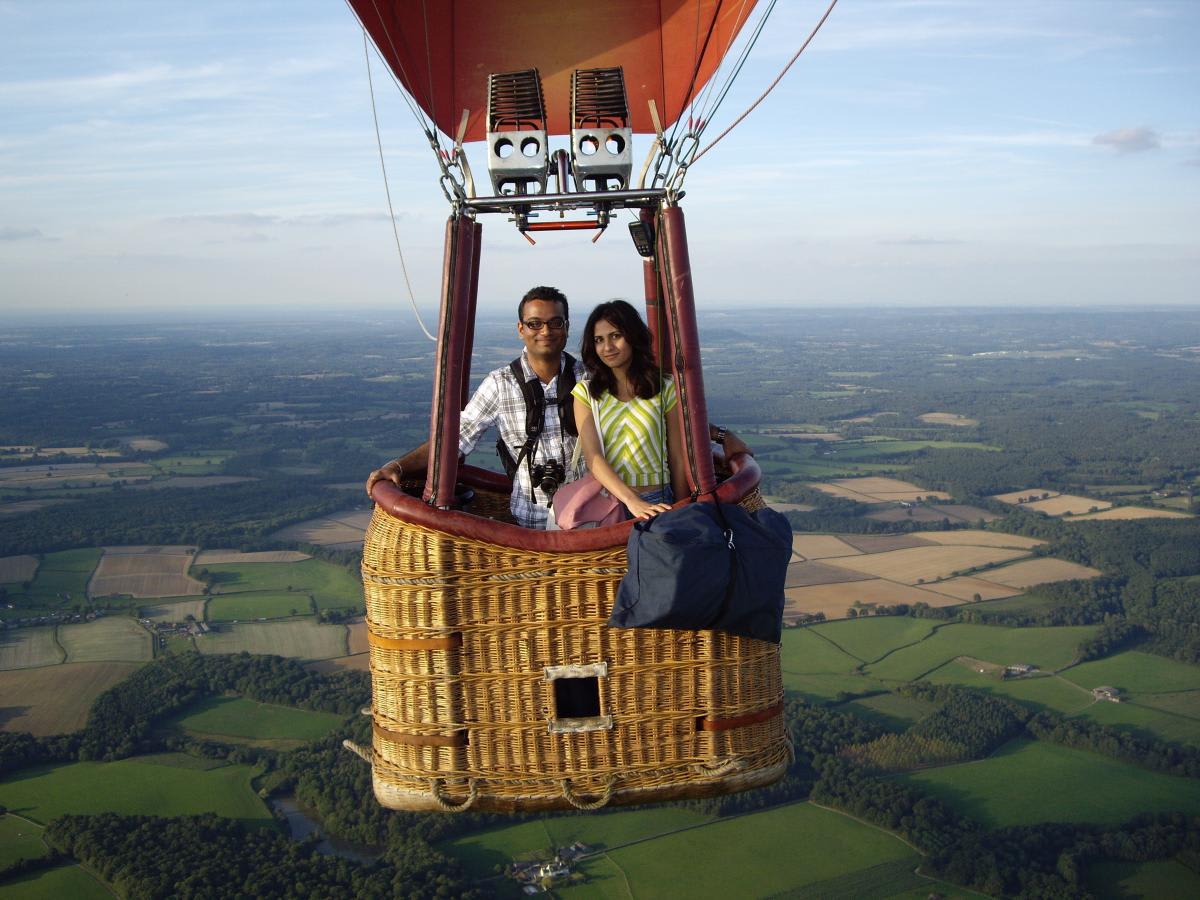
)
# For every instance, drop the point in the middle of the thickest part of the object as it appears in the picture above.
(8, 713)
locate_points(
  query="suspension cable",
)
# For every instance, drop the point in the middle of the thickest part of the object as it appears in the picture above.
(771, 87)
(700, 102)
(388, 191)
(707, 113)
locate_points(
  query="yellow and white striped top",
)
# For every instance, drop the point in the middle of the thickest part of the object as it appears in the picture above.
(635, 433)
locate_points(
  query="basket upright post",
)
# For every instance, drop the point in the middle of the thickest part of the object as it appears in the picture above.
(448, 377)
(676, 272)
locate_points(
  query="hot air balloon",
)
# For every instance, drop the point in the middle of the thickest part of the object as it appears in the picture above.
(497, 684)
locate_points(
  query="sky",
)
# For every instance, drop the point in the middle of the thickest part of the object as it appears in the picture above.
(194, 158)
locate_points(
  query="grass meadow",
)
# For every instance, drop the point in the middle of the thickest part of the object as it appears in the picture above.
(481, 851)
(299, 638)
(202, 462)
(768, 852)
(1136, 673)
(19, 840)
(61, 882)
(24, 648)
(891, 711)
(62, 574)
(869, 639)
(1047, 648)
(1139, 717)
(1166, 879)
(1032, 781)
(112, 638)
(56, 699)
(258, 605)
(1026, 603)
(818, 670)
(139, 786)
(238, 717)
(1041, 692)
(332, 587)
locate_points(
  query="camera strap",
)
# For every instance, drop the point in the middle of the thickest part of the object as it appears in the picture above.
(535, 411)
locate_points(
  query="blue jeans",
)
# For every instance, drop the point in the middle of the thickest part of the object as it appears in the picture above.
(663, 494)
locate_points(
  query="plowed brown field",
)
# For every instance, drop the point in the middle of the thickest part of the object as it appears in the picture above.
(821, 546)
(926, 563)
(17, 568)
(145, 572)
(1040, 571)
(55, 699)
(834, 599)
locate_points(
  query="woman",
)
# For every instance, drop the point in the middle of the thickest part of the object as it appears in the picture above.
(642, 459)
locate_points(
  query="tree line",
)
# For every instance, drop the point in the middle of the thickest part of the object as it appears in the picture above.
(233, 515)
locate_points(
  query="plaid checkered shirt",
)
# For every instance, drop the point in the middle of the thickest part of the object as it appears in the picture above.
(498, 402)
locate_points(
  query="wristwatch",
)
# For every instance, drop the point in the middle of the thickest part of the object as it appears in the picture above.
(717, 434)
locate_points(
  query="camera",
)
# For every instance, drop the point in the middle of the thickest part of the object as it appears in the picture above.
(548, 476)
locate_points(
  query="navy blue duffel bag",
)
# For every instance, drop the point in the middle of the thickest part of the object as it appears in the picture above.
(707, 565)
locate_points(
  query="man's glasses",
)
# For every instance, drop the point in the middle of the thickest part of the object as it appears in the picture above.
(558, 323)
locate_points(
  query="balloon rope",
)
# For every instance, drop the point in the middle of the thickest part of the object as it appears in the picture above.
(778, 78)
(699, 104)
(707, 112)
(387, 190)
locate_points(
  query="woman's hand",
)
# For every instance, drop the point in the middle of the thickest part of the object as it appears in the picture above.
(640, 509)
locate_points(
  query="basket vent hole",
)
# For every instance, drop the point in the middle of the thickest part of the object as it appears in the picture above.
(576, 698)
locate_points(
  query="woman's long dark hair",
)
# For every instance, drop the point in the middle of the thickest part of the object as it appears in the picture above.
(643, 371)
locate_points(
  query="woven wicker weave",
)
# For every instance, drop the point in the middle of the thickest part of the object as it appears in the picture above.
(466, 638)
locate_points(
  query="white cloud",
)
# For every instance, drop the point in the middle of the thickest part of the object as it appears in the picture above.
(1129, 140)
(9, 233)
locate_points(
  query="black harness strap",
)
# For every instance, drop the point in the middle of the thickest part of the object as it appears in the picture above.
(535, 412)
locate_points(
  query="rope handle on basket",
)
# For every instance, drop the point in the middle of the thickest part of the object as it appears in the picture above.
(578, 803)
(363, 754)
(435, 788)
(721, 767)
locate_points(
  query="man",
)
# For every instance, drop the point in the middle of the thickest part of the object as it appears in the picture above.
(542, 323)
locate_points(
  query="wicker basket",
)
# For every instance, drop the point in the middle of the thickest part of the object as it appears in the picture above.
(498, 685)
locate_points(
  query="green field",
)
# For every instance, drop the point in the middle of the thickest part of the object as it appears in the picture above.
(1166, 879)
(830, 688)
(757, 855)
(258, 605)
(1034, 781)
(202, 462)
(892, 448)
(109, 638)
(1135, 672)
(1040, 691)
(481, 851)
(818, 670)
(299, 638)
(25, 648)
(133, 787)
(19, 840)
(872, 638)
(332, 587)
(61, 574)
(892, 711)
(804, 650)
(238, 717)
(1024, 603)
(1140, 717)
(1047, 648)
(55, 884)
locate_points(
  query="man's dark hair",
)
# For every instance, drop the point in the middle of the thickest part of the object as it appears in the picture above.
(542, 292)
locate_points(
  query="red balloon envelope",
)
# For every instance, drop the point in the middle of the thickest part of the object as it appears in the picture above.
(442, 51)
